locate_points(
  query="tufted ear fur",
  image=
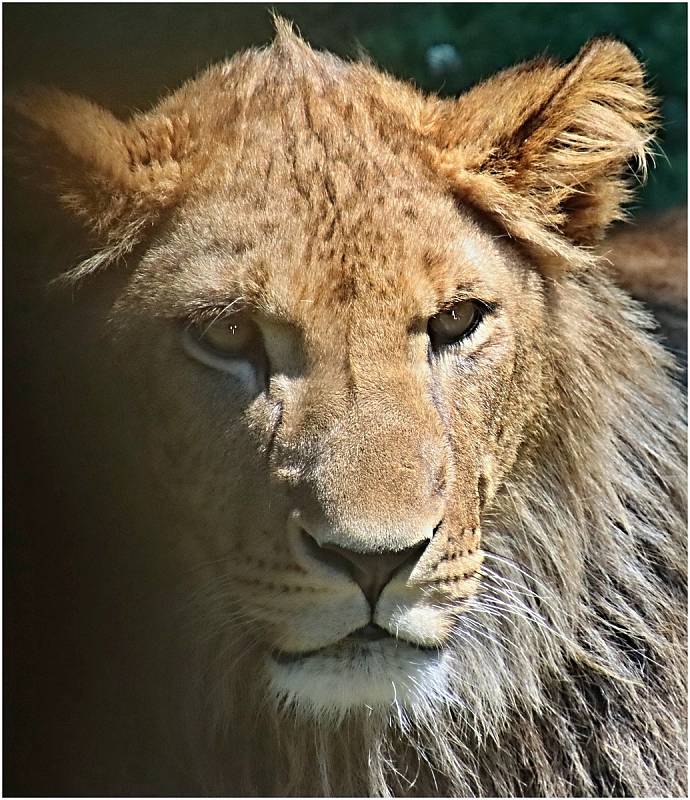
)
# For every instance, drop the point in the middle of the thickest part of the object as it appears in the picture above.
(116, 176)
(545, 148)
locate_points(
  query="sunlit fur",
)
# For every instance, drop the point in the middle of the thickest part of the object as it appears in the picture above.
(579, 624)
(563, 671)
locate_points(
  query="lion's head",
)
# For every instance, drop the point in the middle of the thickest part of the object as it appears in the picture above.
(419, 455)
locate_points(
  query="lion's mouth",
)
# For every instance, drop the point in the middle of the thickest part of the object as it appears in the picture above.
(357, 639)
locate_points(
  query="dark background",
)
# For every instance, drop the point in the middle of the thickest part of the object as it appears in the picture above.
(126, 55)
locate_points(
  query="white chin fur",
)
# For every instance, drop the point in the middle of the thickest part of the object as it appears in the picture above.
(372, 675)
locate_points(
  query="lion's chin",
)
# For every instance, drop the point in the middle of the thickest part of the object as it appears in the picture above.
(388, 674)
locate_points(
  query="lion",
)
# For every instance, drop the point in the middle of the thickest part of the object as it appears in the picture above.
(376, 478)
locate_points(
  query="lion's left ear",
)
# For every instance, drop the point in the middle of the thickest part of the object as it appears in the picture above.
(546, 148)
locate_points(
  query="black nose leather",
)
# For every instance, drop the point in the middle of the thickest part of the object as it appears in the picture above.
(371, 571)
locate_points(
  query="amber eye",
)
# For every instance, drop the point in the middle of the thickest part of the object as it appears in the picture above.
(224, 341)
(456, 324)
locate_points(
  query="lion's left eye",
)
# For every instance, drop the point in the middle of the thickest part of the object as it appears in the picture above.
(456, 324)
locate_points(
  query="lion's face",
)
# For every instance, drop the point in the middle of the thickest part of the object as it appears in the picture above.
(340, 383)
(343, 327)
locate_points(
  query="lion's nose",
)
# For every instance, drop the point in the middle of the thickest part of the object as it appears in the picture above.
(371, 571)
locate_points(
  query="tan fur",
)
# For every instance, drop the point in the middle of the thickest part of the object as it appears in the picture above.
(343, 209)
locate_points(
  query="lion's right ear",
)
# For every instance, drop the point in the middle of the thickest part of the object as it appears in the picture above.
(115, 176)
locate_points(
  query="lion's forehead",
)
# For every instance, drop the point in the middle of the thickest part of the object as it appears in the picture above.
(297, 256)
(314, 204)
(308, 210)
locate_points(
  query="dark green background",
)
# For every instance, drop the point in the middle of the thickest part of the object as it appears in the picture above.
(126, 55)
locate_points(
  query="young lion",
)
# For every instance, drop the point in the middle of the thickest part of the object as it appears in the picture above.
(364, 478)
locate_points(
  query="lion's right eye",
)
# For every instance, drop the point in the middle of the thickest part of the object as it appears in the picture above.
(224, 341)
(228, 336)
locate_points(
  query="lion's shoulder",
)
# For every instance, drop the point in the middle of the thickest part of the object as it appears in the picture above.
(650, 258)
